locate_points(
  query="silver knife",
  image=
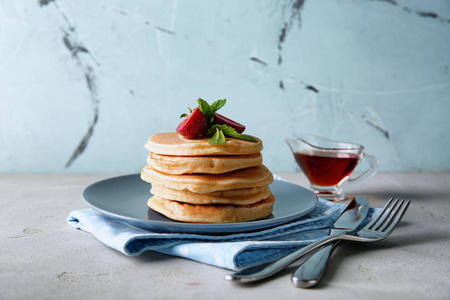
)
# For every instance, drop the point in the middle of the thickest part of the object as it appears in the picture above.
(310, 271)
(343, 224)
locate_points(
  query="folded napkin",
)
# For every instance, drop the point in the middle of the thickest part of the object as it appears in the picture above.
(237, 251)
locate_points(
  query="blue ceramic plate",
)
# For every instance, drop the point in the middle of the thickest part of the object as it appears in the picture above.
(125, 198)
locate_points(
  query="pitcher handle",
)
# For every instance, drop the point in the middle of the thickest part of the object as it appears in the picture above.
(367, 174)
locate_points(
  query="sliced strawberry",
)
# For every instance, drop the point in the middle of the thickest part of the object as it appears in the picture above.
(219, 119)
(194, 125)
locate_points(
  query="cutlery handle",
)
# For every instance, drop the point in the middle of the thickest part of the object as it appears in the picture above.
(273, 268)
(311, 270)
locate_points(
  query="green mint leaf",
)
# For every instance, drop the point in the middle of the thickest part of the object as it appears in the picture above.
(217, 105)
(209, 110)
(214, 138)
(204, 107)
(218, 138)
(222, 137)
(247, 138)
(231, 132)
(227, 130)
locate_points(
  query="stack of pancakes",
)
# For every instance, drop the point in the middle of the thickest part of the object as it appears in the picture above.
(193, 181)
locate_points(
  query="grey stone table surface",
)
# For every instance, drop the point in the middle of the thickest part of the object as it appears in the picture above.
(44, 258)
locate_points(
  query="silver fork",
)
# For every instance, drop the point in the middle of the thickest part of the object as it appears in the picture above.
(379, 228)
(383, 224)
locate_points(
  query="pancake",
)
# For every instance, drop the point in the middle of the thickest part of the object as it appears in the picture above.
(208, 183)
(236, 197)
(202, 164)
(173, 143)
(186, 212)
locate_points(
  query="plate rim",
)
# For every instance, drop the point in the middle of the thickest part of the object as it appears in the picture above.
(198, 227)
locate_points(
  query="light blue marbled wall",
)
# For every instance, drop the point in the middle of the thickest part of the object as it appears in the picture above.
(83, 84)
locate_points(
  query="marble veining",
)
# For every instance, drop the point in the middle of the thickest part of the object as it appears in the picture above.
(84, 84)
(72, 42)
(420, 13)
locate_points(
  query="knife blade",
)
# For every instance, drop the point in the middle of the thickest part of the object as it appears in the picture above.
(342, 225)
(308, 274)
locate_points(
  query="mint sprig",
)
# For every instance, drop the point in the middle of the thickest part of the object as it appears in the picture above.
(228, 131)
(218, 138)
(209, 110)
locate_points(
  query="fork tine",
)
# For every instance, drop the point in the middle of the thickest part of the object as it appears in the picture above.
(391, 215)
(399, 215)
(380, 217)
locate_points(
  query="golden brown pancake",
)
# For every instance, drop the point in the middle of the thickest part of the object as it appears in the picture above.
(173, 143)
(208, 183)
(216, 164)
(186, 212)
(235, 197)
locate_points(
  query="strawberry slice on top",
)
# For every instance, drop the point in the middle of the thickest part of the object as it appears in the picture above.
(194, 125)
(219, 119)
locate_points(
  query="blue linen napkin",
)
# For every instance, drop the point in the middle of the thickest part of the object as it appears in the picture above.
(237, 251)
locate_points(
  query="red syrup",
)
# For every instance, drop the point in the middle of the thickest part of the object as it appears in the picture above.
(326, 169)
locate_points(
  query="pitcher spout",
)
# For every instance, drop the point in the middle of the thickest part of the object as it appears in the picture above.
(293, 144)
